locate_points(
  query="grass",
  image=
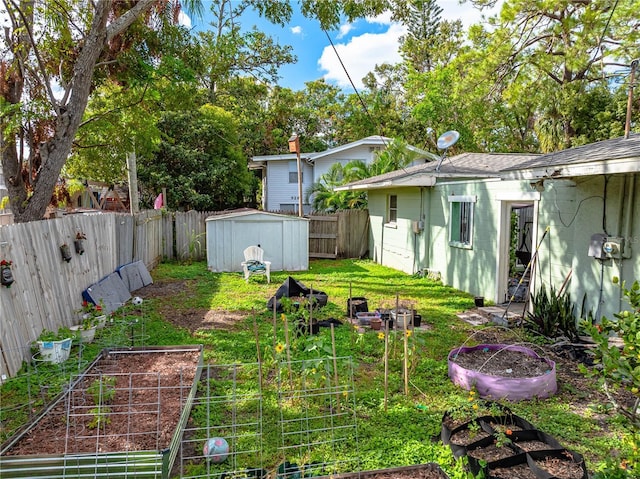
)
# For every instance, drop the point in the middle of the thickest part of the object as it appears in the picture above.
(396, 435)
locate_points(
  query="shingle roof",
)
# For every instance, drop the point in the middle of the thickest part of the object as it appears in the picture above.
(616, 149)
(465, 165)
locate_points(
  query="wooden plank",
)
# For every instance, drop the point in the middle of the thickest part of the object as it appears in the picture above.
(332, 219)
(323, 255)
(323, 235)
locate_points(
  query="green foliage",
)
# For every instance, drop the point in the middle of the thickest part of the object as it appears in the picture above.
(198, 161)
(59, 335)
(620, 365)
(620, 369)
(552, 314)
(407, 423)
(103, 389)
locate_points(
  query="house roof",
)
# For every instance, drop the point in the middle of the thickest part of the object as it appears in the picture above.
(375, 140)
(465, 165)
(619, 155)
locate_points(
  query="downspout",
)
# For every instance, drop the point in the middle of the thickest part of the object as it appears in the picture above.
(628, 219)
(427, 231)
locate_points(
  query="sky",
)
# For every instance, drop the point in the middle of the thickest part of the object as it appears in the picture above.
(361, 45)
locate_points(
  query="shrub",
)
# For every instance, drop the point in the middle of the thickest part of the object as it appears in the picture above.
(552, 315)
(619, 367)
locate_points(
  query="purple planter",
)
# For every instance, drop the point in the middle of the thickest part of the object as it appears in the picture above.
(501, 387)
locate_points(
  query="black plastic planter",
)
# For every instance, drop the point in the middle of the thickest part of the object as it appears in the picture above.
(477, 461)
(537, 460)
(356, 305)
(535, 440)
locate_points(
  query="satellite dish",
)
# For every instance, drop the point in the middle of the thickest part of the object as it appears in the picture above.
(447, 139)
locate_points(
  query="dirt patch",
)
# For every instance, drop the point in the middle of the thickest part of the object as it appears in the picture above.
(427, 471)
(200, 319)
(126, 402)
(162, 289)
(192, 319)
(503, 362)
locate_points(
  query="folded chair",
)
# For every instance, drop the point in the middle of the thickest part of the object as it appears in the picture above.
(254, 264)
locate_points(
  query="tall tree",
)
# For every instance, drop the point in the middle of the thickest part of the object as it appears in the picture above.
(561, 50)
(199, 161)
(422, 19)
(228, 52)
(53, 46)
(70, 46)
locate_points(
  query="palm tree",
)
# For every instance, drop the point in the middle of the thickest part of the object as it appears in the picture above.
(325, 198)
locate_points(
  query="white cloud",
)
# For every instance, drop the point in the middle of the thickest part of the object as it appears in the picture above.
(467, 13)
(344, 30)
(360, 55)
(297, 30)
(184, 19)
(382, 19)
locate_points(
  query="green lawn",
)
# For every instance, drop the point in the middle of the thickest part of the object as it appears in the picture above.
(397, 433)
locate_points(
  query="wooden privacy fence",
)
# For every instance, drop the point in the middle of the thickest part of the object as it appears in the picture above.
(47, 290)
(344, 234)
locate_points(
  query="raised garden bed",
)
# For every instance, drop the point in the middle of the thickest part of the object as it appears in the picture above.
(421, 471)
(123, 416)
(502, 371)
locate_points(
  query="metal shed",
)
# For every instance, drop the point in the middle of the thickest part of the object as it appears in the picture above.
(284, 239)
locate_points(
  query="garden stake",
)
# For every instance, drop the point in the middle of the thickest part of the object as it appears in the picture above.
(257, 335)
(349, 303)
(286, 340)
(275, 325)
(386, 363)
(406, 358)
(335, 366)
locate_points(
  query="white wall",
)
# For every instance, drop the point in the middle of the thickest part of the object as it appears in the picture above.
(280, 191)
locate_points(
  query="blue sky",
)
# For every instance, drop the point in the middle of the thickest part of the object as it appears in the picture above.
(361, 45)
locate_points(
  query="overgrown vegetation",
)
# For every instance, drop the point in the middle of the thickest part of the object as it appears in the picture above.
(620, 369)
(396, 433)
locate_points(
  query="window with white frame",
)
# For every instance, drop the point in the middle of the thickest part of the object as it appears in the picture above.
(293, 172)
(392, 212)
(461, 220)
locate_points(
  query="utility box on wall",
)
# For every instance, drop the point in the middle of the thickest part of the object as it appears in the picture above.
(606, 247)
(613, 247)
(284, 239)
(595, 246)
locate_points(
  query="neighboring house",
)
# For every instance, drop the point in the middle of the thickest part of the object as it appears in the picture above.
(456, 220)
(279, 173)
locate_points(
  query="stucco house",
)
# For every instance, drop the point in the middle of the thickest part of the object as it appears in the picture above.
(459, 219)
(279, 173)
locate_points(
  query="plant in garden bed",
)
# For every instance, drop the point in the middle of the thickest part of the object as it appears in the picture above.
(103, 392)
(553, 314)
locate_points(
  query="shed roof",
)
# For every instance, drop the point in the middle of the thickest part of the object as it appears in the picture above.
(245, 212)
(465, 165)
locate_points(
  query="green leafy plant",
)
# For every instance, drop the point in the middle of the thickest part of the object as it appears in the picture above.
(90, 312)
(619, 368)
(552, 314)
(103, 392)
(59, 335)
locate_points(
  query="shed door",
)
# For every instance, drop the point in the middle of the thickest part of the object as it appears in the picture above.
(267, 234)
